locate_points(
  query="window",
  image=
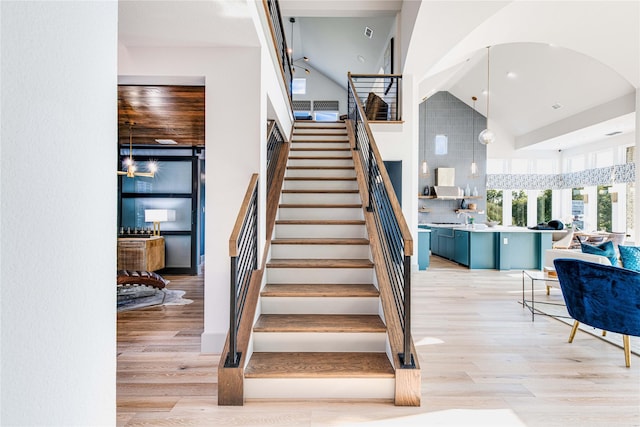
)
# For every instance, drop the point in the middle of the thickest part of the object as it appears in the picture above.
(577, 207)
(299, 86)
(544, 206)
(494, 205)
(519, 208)
(604, 208)
(325, 116)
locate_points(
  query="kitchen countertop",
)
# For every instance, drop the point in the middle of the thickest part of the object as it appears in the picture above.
(483, 228)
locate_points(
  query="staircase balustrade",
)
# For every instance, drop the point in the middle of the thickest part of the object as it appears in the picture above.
(394, 235)
(243, 250)
(275, 142)
(280, 42)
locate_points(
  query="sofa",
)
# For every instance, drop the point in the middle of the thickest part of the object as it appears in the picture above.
(552, 254)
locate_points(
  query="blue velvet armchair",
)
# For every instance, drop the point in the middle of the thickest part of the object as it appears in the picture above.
(601, 296)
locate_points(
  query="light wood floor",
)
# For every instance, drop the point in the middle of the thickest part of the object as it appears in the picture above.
(484, 363)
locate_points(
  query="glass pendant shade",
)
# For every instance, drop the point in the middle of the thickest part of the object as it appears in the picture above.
(474, 168)
(486, 137)
(425, 168)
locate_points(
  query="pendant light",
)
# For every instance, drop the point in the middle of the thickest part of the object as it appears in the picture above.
(424, 167)
(487, 136)
(131, 165)
(290, 50)
(474, 165)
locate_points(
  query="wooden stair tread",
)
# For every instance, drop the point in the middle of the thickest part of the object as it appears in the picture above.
(321, 167)
(321, 221)
(320, 241)
(322, 191)
(320, 178)
(318, 365)
(311, 290)
(341, 131)
(319, 149)
(320, 323)
(320, 158)
(320, 205)
(319, 263)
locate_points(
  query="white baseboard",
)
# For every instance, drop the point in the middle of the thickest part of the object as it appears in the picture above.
(212, 342)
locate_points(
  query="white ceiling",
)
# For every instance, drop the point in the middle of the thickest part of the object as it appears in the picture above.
(578, 54)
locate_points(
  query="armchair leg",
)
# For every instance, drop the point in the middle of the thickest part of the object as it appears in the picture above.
(627, 350)
(548, 289)
(604, 333)
(574, 330)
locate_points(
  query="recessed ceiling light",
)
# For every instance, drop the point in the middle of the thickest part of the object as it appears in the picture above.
(511, 75)
(556, 106)
(361, 59)
(166, 142)
(368, 32)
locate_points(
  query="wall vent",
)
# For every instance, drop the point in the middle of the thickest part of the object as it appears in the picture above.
(368, 32)
(617, 132)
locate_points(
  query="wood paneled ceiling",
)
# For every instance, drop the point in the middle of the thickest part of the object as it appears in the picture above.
(161, 112)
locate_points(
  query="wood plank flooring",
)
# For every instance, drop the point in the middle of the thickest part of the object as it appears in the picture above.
(484, 362)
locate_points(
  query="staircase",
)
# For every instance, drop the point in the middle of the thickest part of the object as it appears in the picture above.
(319, 334)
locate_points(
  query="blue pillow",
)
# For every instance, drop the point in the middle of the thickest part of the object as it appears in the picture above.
(605, 249)
(630, 256)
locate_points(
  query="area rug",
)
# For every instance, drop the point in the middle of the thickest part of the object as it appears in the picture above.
(138, 297)
(555, 308)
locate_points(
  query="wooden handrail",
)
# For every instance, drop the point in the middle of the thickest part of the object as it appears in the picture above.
(395, 205)
(230, 380)
(407, 390)
(274, 38)
(235, 233)
(375, 75)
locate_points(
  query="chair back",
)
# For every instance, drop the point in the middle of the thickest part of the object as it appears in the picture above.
(601, 296)
(565, 241)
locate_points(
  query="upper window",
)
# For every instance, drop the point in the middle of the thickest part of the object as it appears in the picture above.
(299, 86)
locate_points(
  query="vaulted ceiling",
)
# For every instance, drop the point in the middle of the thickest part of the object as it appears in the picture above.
(592, 65)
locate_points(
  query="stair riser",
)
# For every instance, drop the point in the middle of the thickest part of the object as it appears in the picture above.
(319, 144)
(302, 131)
(302, 198)
(319, 231)
(319, 275)
(320, 185)
(319, 341)
(320, 213)
(326, 137)
(320, 251)
(318, 153)
(319, 388)
(319, 305)
(319, 126)
(321, 162)
(335, 173)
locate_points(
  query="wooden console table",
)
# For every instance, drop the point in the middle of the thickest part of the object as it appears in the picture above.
(145, 254)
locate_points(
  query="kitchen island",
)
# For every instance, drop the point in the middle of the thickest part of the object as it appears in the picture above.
(482, 247)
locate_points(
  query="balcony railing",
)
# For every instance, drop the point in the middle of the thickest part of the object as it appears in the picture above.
(379, 95)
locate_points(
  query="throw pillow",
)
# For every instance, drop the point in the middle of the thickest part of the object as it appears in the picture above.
(630, 256)
(605, 249)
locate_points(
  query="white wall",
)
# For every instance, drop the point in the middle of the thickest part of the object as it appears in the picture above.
(321, 88)
(235, 128)
(58, 224)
